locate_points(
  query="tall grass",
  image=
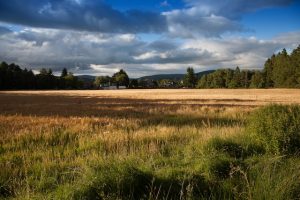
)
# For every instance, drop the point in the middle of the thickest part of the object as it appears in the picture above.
(154, 151)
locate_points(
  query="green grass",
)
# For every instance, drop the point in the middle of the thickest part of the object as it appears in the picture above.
(277, 127)
(213, 155)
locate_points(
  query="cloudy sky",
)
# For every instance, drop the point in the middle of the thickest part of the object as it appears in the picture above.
(145, 37)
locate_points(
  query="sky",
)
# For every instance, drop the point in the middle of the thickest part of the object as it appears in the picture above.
(145, 37)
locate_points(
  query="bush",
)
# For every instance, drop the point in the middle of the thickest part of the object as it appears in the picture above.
(277, 127)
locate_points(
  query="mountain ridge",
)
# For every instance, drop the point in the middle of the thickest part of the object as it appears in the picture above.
(154, 77)
(157, 77)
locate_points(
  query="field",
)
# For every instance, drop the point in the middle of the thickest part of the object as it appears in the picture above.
(141, 144)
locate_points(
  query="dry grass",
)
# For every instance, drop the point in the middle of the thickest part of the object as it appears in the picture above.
(52, 140)
(260, 95)
(88, 103)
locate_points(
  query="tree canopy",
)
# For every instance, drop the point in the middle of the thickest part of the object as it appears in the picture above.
(190, 78)
(280, 71)
(121, 78)
(102, 80)
(13, 77)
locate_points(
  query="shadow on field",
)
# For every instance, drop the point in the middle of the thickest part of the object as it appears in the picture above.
(86, 106)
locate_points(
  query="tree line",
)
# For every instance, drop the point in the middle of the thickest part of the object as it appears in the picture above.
(13, 77)
(282, 70)
(121, 79)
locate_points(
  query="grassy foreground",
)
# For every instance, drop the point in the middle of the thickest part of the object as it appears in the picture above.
(71, 147)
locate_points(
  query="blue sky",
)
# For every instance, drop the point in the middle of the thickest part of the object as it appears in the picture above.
(270, 22)
(147, 5)
(98, 37)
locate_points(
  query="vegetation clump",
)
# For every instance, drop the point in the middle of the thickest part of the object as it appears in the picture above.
(277, 128)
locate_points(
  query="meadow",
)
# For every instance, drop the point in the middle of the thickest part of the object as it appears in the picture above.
(150, 144)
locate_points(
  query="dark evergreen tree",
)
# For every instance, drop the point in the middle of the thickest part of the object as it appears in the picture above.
(228, 77)
(268, 71)
(190, 79)
(257, 80)
(64, 73)
(202, 83)
(236, 79)
(295, 59)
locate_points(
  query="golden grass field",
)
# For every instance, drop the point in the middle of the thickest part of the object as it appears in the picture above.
(56, 144)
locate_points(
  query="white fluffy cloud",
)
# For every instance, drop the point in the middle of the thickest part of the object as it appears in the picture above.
(234, 8)
(194, 22)
(95, 53)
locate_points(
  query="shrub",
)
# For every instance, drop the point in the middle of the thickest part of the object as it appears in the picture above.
(277, 127)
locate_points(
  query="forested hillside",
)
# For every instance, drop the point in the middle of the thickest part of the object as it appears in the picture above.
(280, 71)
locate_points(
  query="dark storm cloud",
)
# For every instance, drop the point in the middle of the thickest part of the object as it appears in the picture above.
(162, 45)
(88, 15)
(72, 49)
(201, 18)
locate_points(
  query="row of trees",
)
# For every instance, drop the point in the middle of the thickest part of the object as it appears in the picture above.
(280, 71)
(121, 79)
(228, 78)
(13, 77)
(118, 79)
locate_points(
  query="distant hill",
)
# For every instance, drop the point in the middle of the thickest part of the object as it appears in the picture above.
(86, 78)
(157, 77)
(200, 74)
(162, 76)
(172, 76)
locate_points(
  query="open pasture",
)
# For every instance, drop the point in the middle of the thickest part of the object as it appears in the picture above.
(139, 144)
